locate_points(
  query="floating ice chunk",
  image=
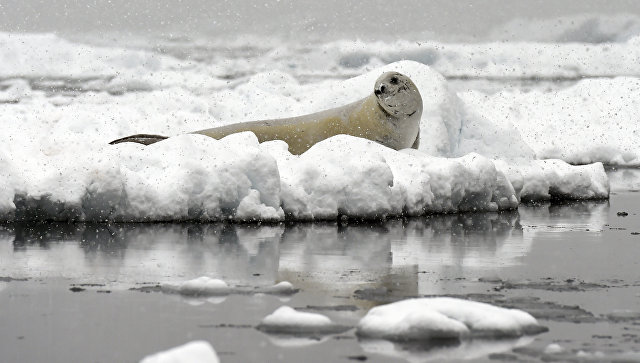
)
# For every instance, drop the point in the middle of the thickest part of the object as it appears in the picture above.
(201, 286)
(197, 351)
(555, 179)
(445, 318)
(553, 349)
(286, 315)
(537, 180)
(286, 320)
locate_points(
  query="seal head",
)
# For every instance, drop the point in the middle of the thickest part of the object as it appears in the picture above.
(397, 95)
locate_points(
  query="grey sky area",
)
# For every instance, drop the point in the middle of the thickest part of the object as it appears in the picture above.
(372, 19)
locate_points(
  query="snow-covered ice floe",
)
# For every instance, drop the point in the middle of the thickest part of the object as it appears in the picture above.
(197, 351)
(445, 318)
(288, 321)
(55, 161)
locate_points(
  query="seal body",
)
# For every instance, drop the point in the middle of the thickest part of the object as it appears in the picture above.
(390, 116)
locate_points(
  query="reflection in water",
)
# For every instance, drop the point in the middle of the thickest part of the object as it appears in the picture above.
(354, 265)
(465, 350)
(574, 216)
(624, 179)
(400, 257)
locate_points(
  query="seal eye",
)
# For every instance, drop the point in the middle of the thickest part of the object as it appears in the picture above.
(383, 88)
(393, 80)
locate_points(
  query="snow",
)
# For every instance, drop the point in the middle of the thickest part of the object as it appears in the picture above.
(197, 351)
(593, 120)
(477, 151)
(555, 179)
(286, 320)
(444, 318)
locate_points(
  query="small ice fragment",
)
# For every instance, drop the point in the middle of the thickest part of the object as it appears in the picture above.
(201, 286)
(197, 351)
(286, 315)
(553, 349)
(286, 320)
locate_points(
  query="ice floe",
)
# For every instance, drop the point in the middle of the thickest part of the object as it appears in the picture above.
(445, 318)
(55, 162)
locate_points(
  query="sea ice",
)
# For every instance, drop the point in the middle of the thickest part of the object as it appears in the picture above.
(445, 318)
(55, 162)
(591, 121)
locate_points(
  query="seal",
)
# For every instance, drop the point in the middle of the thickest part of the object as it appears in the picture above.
(390, 116)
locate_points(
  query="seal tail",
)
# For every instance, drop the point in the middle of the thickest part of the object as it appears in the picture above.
(143, 139)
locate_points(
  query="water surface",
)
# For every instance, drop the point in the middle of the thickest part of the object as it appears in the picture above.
(572, 265)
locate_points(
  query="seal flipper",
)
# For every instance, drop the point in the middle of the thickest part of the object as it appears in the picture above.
(143, 139)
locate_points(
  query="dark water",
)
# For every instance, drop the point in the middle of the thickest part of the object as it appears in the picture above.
(574, 266)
